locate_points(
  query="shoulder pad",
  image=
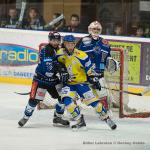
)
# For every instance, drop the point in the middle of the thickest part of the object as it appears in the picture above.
(105, 42)
(80, 54)
(60, 51)
(87, 40)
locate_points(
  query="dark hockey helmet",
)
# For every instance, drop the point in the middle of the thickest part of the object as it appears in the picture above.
(54, 35)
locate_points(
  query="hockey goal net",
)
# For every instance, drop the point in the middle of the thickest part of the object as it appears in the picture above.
(116, 84)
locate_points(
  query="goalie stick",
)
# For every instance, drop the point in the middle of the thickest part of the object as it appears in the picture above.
(146, 90)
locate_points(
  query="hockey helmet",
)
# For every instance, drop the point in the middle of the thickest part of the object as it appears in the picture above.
(95, 29)
(54, 35)
(69, 44)
(69, 38)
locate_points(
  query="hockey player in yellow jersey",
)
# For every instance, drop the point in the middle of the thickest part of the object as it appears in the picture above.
(80, 74)
(77, 62)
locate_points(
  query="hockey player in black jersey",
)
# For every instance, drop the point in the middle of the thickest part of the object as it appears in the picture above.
(45, 80)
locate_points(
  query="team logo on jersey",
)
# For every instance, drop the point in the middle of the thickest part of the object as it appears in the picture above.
(17, 55)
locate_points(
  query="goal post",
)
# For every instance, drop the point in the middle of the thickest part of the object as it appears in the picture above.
(132, 106)
(118, 80)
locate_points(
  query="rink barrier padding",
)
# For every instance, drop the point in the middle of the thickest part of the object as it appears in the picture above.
(13, 80)
(137, 90)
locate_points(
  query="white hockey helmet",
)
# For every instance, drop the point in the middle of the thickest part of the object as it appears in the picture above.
(95, 29)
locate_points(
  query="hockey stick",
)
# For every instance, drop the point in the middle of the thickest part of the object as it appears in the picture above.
(22, 93)
(22, 12)
(54, 21)
(146, 90)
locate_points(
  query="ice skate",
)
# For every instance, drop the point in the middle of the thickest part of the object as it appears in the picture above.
(22, 122)
(58, 120)
(80, 124)
(110, 123)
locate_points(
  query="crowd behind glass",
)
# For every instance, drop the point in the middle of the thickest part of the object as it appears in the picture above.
(33, 20)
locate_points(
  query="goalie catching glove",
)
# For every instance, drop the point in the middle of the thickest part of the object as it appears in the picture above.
(112, 65)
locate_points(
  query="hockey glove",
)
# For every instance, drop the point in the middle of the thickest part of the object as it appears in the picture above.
(95, 81)
(64, 77)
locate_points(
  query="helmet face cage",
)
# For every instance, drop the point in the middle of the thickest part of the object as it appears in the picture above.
(95, 29)
(54, 36)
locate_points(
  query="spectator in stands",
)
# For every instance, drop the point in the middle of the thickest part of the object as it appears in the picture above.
(118, 30)
(34, 20)
(74, 25)
(147, 32)
(57, 26)
(12, 20)
(139, 32)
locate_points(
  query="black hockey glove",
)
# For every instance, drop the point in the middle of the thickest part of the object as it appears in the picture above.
(64, 77)
(95, 81)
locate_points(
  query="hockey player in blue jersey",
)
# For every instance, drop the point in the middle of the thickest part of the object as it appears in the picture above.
(98, 50)
(96, 47)
(81, 73)
(45, 80)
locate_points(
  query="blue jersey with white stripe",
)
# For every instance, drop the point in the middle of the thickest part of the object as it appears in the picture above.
(98, 51)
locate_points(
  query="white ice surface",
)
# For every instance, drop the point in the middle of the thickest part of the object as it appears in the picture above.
(40, 134)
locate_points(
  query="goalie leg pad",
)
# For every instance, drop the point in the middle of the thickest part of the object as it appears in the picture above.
(99, 107)
(103, 100)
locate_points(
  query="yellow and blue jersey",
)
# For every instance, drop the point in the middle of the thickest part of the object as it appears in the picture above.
(78, 65)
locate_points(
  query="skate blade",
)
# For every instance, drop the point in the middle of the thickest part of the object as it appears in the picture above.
(60, 125)
(79, 129)
(19, 126)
